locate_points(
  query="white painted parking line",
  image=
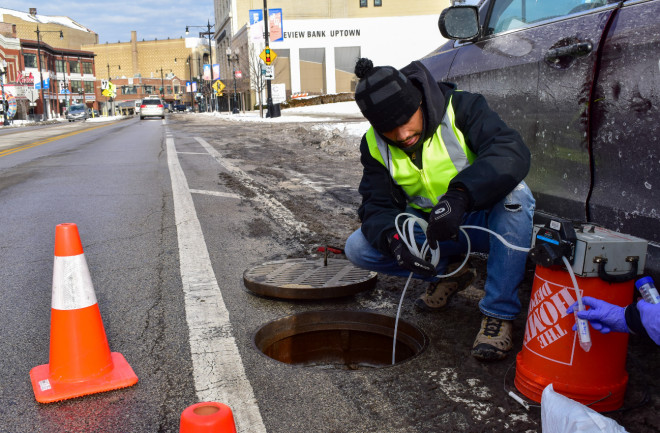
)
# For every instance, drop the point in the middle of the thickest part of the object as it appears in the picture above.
(215, 193)
(193, 153)
(217, 366)
(278, 212)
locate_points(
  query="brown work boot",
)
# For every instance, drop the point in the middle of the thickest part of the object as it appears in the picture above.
(438, 294)
(493, 341)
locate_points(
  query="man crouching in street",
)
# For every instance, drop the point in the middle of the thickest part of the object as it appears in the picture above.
(445, 156)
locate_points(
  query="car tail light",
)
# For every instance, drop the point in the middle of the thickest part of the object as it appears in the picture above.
(160, 105)
(142, 106)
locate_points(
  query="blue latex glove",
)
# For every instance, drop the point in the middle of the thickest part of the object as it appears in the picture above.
(650, 315)
(603, 316)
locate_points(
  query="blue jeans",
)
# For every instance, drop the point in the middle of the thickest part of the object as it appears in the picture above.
(511, 218)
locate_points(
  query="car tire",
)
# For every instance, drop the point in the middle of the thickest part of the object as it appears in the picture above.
(141, 118)
(162, 117)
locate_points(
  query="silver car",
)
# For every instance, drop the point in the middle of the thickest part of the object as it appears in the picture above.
(152, 107)
(76, 112)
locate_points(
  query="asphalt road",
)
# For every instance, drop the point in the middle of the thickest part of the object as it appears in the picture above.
(171, 214)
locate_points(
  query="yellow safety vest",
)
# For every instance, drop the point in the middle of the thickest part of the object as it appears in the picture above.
(444, 155)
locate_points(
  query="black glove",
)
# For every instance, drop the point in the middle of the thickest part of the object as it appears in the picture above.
(446, 217)
(409, 261)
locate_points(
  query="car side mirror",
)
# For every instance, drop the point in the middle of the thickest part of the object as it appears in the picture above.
(459, 22)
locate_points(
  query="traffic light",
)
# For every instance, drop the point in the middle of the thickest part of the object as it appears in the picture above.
(267, 54)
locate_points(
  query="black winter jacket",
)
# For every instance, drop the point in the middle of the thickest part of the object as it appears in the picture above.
(502, 159)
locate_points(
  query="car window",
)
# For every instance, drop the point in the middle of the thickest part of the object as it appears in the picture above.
(515, 14)
(151, 102)
(77, 108)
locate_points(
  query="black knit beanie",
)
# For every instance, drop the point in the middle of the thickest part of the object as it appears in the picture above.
(385, 96)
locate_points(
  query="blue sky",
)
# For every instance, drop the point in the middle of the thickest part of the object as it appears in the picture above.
(114, 20)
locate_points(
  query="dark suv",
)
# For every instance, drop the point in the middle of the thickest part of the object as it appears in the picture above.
(580, 80)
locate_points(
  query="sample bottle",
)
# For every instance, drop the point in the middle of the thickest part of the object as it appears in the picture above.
(648, 291)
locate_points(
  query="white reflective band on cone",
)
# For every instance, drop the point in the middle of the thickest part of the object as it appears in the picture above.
(72, 284)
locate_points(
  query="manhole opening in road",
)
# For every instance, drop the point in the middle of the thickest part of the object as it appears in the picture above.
(308, 279)
(348, 340)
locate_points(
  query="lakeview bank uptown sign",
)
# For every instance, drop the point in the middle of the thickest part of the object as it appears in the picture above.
(322, 34)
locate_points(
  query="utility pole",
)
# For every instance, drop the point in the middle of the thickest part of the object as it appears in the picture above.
(3, 72)
(44, 113)
(269, 100)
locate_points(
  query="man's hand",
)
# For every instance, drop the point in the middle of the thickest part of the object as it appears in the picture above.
(602, 316)
(409, 261)
(446, 217)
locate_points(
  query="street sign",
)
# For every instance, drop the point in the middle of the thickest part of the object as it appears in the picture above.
(268, 55)
(268, 71)
(32, 94)
(37, 84)
(104, 84)
(238, 74)
(218, 86)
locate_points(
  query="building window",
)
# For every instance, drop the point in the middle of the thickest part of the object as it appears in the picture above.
(129, 90)
(76, 86)
(87, 67)
(60, 66)
(148, 90)
(378, 3)
(89, 87)
(30, 60)
(74, 67)
(363, 3)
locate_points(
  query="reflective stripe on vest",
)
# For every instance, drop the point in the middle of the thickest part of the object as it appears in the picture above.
(444, 155)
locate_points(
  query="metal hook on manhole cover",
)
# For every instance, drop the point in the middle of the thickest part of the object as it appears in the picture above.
(308, 279)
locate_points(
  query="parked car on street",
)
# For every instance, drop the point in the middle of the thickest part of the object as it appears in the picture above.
(77, 112)
(580, 81)
(179, 108)
(152, 107)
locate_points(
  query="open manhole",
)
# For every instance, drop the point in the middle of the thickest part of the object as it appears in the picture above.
(308, 279)
(339, 339)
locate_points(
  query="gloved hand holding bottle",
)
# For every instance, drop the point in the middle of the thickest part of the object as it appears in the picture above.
(603, 316)
(639, 318)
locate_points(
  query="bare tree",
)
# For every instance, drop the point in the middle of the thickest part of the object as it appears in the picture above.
(257, 81)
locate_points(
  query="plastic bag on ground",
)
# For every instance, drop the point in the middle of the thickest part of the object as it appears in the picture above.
(560, 414)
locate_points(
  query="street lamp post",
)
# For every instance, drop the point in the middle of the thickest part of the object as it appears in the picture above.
(41, 78)
(207, 33)
(3, 72)
(232, 59)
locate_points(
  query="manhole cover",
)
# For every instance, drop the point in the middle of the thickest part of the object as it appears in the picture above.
(339, 339)
(308, 279)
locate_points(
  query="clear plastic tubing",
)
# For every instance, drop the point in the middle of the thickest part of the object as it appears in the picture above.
(648, 291)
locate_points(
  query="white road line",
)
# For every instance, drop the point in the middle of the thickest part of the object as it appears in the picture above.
(193, 153)
(215, 193)
(274, 208)
(217, 366)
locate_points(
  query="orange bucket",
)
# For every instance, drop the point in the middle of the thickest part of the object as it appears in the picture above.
(551, 350)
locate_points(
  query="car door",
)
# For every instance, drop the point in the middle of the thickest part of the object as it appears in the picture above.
(534, 63)
(626, 124)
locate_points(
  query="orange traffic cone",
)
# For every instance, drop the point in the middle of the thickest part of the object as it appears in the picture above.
(207, 417)
(80, 358)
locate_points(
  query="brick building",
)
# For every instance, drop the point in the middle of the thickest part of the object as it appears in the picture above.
(67, 71)
(26, 23)
(136, 67)
(68, 76)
